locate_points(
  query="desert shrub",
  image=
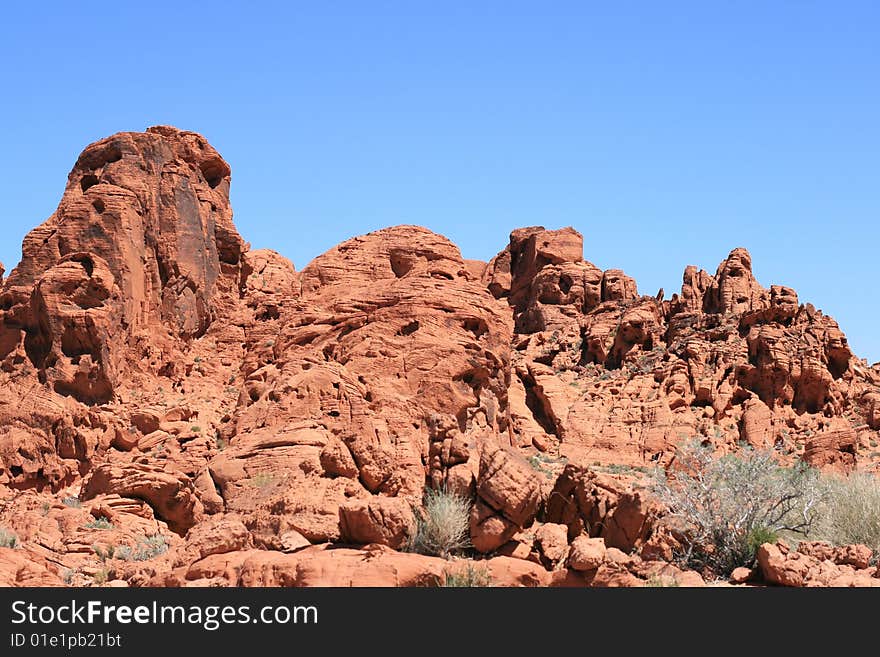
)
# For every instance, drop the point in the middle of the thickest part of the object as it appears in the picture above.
(537, 463)
(442, 527)
(758, 536)
(99, 523)
(8, 539)
(72, 501)
(147, 547)
(471, 576)
(100, 577)
(261, 480)
(547, 464)
(727, 506)
(104, 552)
(662, 582)
(850, 512)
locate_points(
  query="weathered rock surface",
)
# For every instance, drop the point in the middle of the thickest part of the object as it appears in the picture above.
(383, 520)
(170, 494)
(18, 568)
(817, 564)
(163, 385)
(600, 506)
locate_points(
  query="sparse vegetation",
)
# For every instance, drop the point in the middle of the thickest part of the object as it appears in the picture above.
(758, 536)
(100, 578)
(261, 480)
(850, 512)
(471, 576)
(8, 539)
(540, 462)
(618, 468)
(104, 553)
(72, 501)
(442, 527)
(726, 506)
(99, 523)
(661, 581)
(147, 547)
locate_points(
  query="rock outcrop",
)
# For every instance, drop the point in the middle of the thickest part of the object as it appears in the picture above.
(817, 564)
(205, 414)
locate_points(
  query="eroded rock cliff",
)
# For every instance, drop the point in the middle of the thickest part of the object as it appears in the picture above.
(159, 378)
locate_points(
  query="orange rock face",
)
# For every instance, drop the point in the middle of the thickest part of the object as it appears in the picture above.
(817, 564)
(167, 393)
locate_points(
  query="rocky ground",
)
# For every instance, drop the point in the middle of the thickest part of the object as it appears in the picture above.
(179, 410)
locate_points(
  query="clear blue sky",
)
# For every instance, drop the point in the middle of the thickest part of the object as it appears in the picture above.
(666, 132)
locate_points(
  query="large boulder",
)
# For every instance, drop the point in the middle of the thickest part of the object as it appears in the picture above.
(170, 494)
(601, 507)
(383, 520)
(508, 496)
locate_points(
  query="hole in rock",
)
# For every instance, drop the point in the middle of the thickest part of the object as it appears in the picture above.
(476, 326)
(113, 153)
(565, 283)
(400, 264)
(87, 263)
(539, 405)
(98, 204)
(410, 328)
(214, 170)
(271, 312)
(88, 180)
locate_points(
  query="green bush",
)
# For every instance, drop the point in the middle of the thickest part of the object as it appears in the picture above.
(758, 536)
(850, 512)
(727, 506)
(442, 527)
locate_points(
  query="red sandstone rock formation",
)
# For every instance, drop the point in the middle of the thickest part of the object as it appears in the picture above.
(817, 564)
(160, 382)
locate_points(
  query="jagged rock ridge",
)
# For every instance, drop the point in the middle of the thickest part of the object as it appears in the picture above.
(173, 380)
